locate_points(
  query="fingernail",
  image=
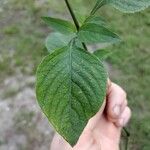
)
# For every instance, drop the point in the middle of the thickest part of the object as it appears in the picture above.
(121, 122)
(117, 110)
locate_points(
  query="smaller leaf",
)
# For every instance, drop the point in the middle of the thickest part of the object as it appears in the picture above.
(80, 17)
(60, 25)
(95, 20)
(126, 6)
(129, 6)
(57, 40)
(92, 33)
(102, 53)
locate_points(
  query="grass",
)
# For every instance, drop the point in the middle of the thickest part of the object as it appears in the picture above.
(131, 59)
(22, 37)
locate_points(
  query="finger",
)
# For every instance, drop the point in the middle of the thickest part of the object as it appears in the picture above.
(116, 101)
(94, 120)
(108, 85)
(124, 118)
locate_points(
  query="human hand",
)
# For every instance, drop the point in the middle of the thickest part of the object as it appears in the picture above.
(103, 131)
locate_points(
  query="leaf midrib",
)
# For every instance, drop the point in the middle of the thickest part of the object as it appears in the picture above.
(70, 75)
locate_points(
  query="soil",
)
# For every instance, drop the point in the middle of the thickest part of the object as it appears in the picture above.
(22, 124)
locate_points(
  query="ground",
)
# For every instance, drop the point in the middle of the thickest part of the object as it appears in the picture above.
(22, 35)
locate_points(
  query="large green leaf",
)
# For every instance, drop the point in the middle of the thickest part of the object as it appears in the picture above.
(70, 88)
(93, 33)
(127, 6)
(60, 25)
(57, 40)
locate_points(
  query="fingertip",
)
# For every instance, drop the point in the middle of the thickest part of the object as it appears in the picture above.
(116, 101)
(124, 118)
(128, 116)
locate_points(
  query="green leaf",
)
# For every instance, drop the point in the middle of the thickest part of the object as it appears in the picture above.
(78, 43)
(129, 6)
(70, 88)
(80, 17)
(96, 20)
(60, 25)
(57, 40)
(102, 54)
(93, 33)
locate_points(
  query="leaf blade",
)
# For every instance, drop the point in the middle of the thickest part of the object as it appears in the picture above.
(129, 6)
(57, 40)
(62, 26)
(66, 75)
(96, 20)
(126, 6)
(93, 33)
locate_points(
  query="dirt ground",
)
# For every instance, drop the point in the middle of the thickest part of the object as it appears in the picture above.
(22, 125)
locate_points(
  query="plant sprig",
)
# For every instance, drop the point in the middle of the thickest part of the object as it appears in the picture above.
(71, 82)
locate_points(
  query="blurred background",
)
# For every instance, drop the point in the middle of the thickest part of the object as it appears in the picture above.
(22, 35)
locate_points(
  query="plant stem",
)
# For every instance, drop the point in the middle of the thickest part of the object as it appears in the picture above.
(126, 131)
(97, 6)
(72, 15)
(74, 19)
(128, 136)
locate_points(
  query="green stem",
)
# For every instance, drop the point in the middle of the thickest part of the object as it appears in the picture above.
(72, 15)
(97, 6)
(127, 136)
(74, 19)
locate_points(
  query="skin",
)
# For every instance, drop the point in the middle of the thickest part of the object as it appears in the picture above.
(103, 131)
